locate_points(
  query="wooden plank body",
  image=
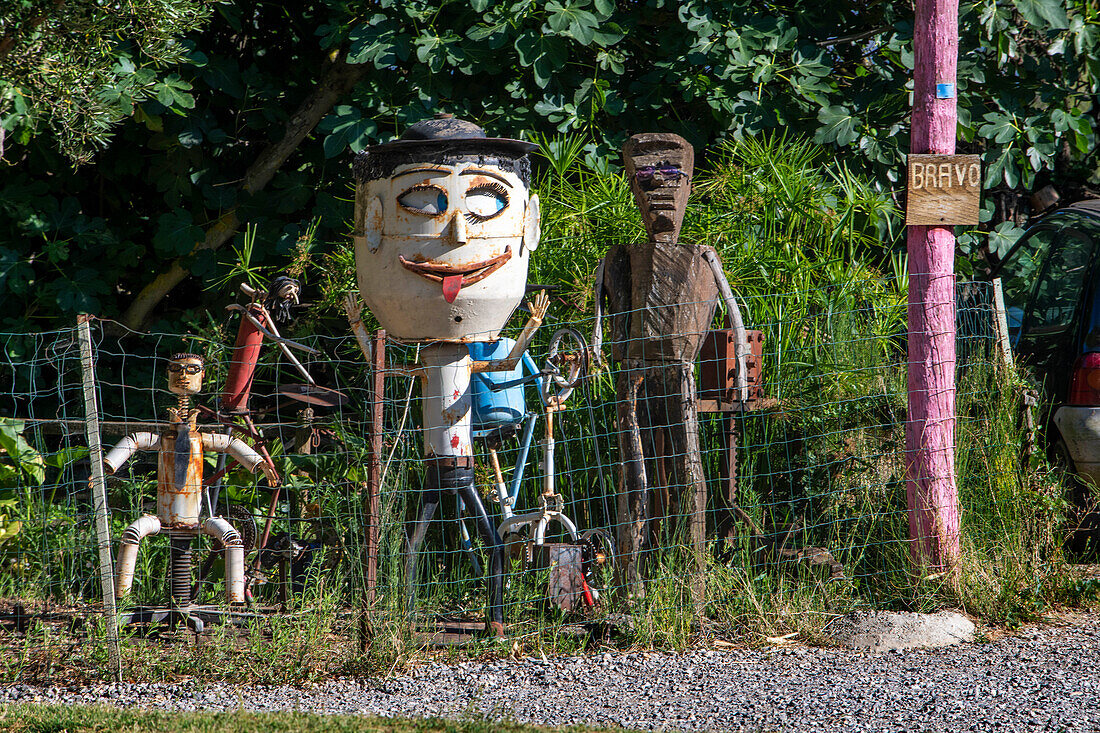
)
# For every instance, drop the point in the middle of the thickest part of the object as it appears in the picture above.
(661, 300)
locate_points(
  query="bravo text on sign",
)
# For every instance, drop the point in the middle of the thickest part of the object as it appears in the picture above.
(943, 190)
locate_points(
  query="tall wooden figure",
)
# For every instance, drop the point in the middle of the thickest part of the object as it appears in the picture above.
(660, 295)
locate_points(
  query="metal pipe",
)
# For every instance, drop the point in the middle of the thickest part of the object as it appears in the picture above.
(128, 551)
(548, 454)
(270, 330)
(521, 461)
(283, 343)
(741, 343)
(241, 451)
(230, 539)
(540, 527)
(242, 367)
(597, 328)
(492, 543)
(127, 447)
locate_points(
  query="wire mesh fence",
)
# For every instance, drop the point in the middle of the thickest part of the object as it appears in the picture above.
(645, 493)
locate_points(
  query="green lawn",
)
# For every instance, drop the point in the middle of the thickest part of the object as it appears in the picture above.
(60, 719)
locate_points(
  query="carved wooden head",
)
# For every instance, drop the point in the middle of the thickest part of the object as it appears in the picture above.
(659, 166)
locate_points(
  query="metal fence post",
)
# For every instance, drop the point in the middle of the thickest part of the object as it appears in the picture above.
(374, 480)
(99, 495)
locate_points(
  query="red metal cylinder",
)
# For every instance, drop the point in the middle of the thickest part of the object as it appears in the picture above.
(246, 352)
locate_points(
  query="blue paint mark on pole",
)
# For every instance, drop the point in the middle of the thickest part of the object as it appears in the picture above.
(945, 91)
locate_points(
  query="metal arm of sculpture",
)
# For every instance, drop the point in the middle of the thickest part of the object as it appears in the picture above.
(741, 339)
(597, 327)
(538, 310)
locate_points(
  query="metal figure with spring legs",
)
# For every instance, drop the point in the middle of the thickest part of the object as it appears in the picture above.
(180, 449)
(444, 228)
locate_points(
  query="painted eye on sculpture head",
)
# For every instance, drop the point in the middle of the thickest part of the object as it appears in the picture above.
(424, 199)
(485, 200)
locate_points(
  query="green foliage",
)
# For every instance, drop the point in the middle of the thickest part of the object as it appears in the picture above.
(74, 70)
(194, 114)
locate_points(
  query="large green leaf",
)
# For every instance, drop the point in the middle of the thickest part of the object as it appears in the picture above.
(1043, 13)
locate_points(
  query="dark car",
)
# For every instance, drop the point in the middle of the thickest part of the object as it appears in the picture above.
(1051, 280)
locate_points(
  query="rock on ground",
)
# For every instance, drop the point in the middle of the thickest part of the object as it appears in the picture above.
(881, 631)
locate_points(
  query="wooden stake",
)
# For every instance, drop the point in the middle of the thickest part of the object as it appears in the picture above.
(1000, 324)
(99, 495)
(930, 432)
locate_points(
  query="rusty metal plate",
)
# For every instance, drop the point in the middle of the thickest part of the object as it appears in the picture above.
(565, 588)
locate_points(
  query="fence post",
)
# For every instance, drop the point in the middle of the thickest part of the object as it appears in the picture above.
(99, 494)
(374, 480)
(931, 490)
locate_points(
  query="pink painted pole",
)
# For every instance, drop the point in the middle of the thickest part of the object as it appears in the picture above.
(930, 432)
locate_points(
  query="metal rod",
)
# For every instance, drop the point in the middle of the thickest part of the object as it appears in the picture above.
(374, 478)
(99, 495)
(283, 343)
(521, 461)
(270, 330)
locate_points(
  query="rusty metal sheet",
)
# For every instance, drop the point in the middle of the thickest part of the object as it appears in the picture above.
(718, 367)
(565, 588)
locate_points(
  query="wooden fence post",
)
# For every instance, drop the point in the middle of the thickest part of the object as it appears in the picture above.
(931, 490)
(99, 495)
(373, 499)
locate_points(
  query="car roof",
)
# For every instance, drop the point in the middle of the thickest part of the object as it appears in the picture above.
(1091, 206)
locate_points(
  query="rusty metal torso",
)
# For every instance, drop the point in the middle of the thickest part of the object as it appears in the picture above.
(661, 299)
(179, 487)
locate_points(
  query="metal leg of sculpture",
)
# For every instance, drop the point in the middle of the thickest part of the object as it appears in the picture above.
(492, 542)
(430, 502)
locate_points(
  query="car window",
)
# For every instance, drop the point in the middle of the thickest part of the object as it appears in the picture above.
(1059, 285)
(1018, 275)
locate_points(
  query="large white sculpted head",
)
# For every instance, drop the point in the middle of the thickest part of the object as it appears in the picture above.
(444, 229)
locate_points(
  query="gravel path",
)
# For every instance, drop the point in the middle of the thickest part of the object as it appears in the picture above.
(1045, 678)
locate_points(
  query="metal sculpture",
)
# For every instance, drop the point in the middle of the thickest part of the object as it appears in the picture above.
(661, 296)
(444, 228)
(180, 447)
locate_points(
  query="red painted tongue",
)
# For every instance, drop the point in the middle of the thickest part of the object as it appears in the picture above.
(451, 285)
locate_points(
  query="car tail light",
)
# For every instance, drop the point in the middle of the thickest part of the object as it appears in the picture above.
(1085, 387)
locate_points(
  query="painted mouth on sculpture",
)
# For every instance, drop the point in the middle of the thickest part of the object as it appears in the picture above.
(455, 277)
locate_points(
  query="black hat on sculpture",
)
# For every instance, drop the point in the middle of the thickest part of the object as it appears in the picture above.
(446, 131)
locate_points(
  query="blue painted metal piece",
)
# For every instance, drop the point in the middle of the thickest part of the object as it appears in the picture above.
(945, 91)
(498, 398)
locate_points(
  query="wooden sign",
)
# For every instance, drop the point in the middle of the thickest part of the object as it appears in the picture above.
(943, 190)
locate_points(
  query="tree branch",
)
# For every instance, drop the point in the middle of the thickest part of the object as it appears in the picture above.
(854, 37)
(338, 80)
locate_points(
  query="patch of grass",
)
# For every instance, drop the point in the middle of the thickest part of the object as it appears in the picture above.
(58, 719)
